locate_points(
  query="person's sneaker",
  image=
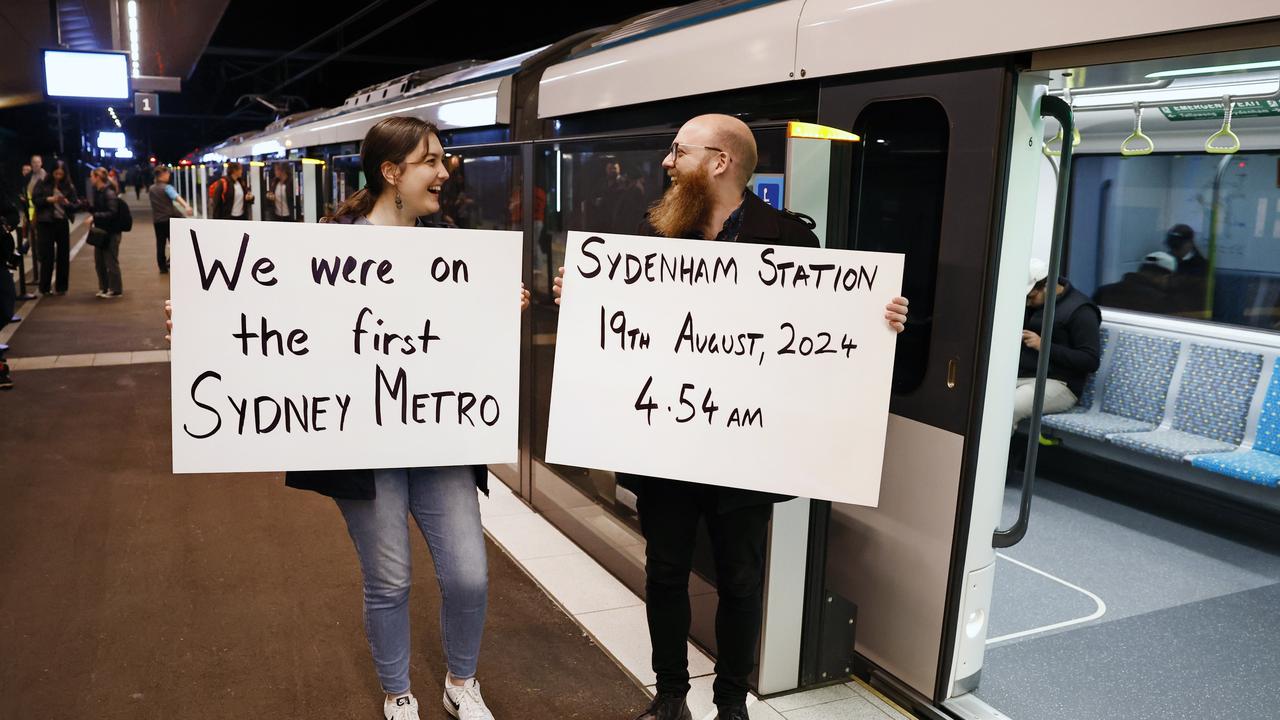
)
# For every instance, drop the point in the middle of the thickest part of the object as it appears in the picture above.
(404, 707)
(667, 707)
(464, 702)
(733, 712)
(6, 382)
(111, 294)
(101, 294)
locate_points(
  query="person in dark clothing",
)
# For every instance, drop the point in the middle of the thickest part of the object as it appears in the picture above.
(55, 200)
(1180, 239)
(1146, 290)
(229, 196)
(9, 260)
(1076, 351)
(710, 163)
(106, 254)
(166, 204)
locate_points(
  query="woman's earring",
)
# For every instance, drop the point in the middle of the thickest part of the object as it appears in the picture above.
(399, 203)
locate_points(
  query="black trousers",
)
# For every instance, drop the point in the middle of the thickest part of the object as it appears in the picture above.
(162, 243)
(55, 253)
(669, 513)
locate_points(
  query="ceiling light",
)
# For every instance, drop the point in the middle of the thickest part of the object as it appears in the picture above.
(1214, 69)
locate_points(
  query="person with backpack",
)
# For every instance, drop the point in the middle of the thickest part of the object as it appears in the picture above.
(111, 217)
(229, 196)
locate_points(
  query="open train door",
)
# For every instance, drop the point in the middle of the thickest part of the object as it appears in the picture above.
(926, 178)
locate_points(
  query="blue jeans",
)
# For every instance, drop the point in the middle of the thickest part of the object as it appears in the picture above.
(444, 502)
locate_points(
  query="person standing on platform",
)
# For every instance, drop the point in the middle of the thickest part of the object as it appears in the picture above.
(710, 163)
(55, 200)
(37, 174)
(106, 216)
(166, 204)
(280, 196)
(404, 162)
(229, 196)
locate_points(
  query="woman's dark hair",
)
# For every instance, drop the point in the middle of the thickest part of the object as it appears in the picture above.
(391, 140)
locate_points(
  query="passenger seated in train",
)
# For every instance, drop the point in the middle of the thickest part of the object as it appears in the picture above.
(1147, 290)
(1076, 350)
(1180, 239)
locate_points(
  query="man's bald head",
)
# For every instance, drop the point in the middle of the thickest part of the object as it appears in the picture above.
(729, 134)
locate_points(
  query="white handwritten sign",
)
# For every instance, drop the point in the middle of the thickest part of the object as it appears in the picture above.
(308, 347)
(749, 366)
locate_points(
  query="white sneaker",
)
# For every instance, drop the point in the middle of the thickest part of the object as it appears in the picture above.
(401, 708)
(464, 702)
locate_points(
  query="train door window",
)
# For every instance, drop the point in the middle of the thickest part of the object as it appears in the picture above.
(898, 179)
(346, 177)
(482, 190)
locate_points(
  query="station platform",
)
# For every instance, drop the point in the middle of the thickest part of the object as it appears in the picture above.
(129, 592)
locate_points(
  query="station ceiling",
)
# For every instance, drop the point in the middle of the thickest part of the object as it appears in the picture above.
(172, 39)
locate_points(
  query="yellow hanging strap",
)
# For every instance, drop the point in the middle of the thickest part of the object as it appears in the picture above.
(1224, 133)
(1137, 138)
(1056, 141)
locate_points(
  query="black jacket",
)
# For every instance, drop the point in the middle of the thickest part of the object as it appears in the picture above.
(1077, 345)
(356, 484)
(761, 225)
(40, 198)
(106, 207)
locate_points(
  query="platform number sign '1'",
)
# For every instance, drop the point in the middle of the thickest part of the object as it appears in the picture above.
(146, 104)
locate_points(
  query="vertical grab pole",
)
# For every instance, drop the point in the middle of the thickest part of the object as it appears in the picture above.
(1058, 109)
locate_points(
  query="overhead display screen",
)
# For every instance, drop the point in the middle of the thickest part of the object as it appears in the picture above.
(73, 75)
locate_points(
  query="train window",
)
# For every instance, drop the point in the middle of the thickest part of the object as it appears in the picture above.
(480, 189)
(897, 186)
(1142, 235)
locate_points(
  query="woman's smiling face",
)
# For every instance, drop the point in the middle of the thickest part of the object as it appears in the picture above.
(421, 176)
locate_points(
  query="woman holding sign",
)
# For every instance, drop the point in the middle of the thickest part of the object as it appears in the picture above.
(404, 162)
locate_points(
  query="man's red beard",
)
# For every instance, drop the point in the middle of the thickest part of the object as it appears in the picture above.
(684, 207)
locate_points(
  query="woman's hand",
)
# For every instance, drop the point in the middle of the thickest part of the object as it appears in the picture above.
(168, 319)
(557, 285)
(896, 313)
(524, 298)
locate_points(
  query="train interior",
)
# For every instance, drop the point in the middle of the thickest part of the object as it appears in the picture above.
(1147, 583)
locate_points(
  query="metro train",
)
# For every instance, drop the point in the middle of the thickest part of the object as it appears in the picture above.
(923, 596)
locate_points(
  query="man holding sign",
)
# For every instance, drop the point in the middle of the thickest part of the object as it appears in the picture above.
(710, 163)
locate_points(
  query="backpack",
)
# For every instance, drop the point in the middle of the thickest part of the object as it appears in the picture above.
(124, 217)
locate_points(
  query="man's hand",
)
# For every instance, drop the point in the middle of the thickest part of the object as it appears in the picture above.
(524, 298)
(557, 285)
(168, 318)
(1031, 340)
(896, 313)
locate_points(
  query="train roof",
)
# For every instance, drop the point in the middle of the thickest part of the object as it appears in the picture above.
(469, 94)
(715, 46)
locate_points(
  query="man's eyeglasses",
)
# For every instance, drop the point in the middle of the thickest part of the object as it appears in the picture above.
(675, 148)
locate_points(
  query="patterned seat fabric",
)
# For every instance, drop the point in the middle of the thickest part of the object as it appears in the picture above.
(1261, 465)
(1138, 383)
(1087, 395)
(1134, 394)
(1170, 444)
(1095, 425)
(1255, 466)
(1212, 406)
